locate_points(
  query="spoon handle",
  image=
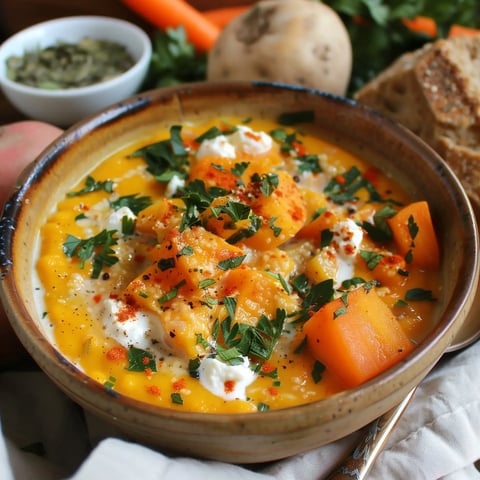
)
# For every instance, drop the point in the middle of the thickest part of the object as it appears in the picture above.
(374, 436)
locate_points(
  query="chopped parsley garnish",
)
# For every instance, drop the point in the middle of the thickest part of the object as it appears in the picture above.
(372, 259)
(286, 286)
(166, 159)
(91, 185)
(110, 383)
(326, 237)
(214, 132)
(317, 371)
(263, 407)
(253, 341)
(134, 202)
(418, 294)
(343, 188)
(176, 398)
(140, 360)
(128, 225)
(172, 293)
(197, 198)
(286, 140)
(98, 248)
(412, 228)
(230, 263)
(379, 231)
(308, 163)
(237, 211)
(268, 182)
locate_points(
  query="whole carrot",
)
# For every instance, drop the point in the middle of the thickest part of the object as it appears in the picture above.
(223, 15)
(163, 14)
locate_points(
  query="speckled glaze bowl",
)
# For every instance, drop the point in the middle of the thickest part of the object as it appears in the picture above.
(253, 437)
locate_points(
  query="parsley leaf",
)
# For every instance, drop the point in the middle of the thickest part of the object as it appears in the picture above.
(98, 248)
(91, 185)
(139, 360)
(134, 202)
(174, 60)
(167, 158)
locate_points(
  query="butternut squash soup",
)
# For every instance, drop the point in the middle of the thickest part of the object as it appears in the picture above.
(237, 266)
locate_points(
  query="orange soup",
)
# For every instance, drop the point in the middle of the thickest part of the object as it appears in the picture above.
(237, 266)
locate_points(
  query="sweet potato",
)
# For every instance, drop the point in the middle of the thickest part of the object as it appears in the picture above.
(256, 292)
(160, 217)
(414, 235)
(282, 213)
(356, 338)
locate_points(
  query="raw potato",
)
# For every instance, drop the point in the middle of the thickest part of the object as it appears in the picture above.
(301, 42)
(20, 143)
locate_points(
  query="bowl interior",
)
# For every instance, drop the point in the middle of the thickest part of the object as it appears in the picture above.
(243, 438)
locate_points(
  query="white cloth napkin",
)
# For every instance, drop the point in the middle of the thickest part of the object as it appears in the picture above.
(438, 437)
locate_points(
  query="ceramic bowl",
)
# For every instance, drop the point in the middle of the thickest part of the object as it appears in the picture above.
(67, 106)
(240, 438)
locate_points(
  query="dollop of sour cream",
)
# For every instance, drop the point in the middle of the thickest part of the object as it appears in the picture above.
(114, 221)
(347, 238)
(226, 381)
(130, 328)
(244, 139)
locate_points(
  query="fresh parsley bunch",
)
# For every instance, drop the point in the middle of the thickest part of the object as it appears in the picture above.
(379, 36)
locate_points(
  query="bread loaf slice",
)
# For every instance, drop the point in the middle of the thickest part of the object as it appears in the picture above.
(435, 92)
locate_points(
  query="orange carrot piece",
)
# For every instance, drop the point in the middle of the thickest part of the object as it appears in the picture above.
(313, 230)
(420, 24)
(201, 32)
(416, 219)
(356, 339)
(459, 30)
(222, 16)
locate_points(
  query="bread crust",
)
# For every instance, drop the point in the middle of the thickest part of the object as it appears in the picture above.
(435, 92)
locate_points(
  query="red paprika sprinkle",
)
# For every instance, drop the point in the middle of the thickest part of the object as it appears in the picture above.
(116, 353)
(179, 384)
(299, 148)
(267, 367)
(229, 386)
(154, 390)
(97, 298)
(148, 372)
(145, 360)
(273, 391)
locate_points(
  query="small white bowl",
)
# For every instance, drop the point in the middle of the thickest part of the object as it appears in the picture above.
(68, 106)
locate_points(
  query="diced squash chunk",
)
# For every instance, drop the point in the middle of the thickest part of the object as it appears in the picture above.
(357, 338)
(256, 293)
(322, 266)
(313, 230)
(413, 231)
(215, 172)
(160, 217)
(283, 212)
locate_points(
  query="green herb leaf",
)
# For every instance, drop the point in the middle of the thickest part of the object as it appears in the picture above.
(372, 259)
(176, 398)
(174, 60)
(139, 360)
(231, 263)
(91, 185)
(134, 202)
(317, 371)
(416, 294)
(98, 248)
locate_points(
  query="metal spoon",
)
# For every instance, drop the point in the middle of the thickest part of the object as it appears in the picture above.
(374, 436)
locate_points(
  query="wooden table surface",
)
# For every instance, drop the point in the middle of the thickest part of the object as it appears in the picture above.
(16, 15)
